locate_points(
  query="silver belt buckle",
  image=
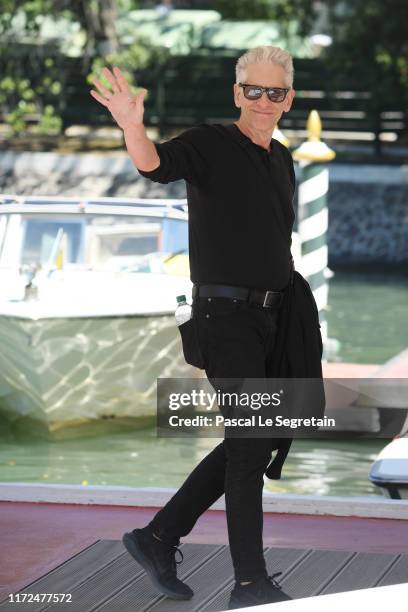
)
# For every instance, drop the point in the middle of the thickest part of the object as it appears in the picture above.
(277, 302)
(265, 304)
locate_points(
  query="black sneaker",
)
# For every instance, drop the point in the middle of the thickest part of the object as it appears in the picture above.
(158, 560)
(262, 591)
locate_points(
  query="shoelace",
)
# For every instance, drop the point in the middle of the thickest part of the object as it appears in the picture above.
(172, 550)
(176, 549)
(262, 583)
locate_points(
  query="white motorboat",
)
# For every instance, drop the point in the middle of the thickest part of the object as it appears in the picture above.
(87, 298)
(390, 470)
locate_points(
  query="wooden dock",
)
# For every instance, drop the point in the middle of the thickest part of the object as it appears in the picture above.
(104, 576)
(67, 539)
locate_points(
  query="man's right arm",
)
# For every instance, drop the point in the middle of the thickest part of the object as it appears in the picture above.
(127, 110)
(187, 156)
(140, 148)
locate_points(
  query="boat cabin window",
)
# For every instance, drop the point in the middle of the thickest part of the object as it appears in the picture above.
(133, 243)
(39, 236)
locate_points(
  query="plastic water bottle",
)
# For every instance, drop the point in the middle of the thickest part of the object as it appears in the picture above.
(183, 310)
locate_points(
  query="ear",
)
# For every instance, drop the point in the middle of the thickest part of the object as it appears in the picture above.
(237, 93)
(289, 100)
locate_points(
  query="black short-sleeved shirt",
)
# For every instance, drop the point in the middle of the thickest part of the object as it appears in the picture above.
(235, 235)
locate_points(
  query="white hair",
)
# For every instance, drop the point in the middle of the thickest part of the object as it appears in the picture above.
(262, 55)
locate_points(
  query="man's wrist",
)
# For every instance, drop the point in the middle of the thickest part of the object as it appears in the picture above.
(134, 129)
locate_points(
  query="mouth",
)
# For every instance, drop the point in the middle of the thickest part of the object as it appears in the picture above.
(261, 113)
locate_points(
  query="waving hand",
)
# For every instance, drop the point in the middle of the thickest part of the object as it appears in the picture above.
(125, 107)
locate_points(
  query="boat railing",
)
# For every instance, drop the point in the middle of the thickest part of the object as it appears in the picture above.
(15, 203)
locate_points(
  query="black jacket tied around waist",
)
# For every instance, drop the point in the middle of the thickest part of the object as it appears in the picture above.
(298, 351)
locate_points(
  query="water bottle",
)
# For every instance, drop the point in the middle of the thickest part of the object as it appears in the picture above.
(183, 310)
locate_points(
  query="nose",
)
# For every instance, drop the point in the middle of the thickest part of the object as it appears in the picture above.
(264, 102)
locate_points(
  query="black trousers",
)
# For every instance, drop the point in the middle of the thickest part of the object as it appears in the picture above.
(236, 339)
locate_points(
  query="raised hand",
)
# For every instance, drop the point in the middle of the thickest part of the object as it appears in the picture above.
(126, 108)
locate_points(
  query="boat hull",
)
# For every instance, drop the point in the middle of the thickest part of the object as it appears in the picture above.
(390, 470)
(66, 372)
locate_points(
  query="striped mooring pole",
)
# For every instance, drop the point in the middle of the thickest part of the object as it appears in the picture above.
(313, 156)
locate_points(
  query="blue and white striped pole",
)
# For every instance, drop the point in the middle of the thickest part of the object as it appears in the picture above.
(313, 156)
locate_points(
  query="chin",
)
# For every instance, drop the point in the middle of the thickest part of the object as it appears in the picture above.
(263, 120)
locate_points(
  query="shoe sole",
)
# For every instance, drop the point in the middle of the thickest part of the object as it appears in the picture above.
(235, 605)
(133, 549)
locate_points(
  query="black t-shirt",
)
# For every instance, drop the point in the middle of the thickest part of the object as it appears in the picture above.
(240, 217)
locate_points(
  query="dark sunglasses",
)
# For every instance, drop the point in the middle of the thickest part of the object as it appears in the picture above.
(254, 92)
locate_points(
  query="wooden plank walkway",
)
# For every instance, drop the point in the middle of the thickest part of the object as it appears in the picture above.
(105, 577)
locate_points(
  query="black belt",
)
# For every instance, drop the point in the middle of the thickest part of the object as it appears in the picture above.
(268, 299)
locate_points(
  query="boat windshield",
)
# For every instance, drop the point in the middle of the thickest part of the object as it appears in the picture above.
(97, 241)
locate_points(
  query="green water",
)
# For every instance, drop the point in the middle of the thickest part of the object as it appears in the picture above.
(367, 314)
(139, 459)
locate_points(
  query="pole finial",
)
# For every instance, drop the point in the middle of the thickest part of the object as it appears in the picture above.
(313, 149)
(314, 126)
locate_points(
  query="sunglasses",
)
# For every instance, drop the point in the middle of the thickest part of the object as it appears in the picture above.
(254, 92)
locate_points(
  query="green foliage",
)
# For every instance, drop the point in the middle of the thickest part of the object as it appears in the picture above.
(282, 11)
(28, 97)
(370, 43)
(141, 55)
(49, 122)
(243, 9)
(32, 83)
(370, 46)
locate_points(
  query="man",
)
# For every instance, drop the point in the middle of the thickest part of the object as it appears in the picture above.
(240, 185)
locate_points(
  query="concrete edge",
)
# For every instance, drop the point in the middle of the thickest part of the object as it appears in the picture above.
(100, 164)
(289, 503)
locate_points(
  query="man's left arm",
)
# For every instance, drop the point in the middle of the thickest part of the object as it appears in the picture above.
(291, 168)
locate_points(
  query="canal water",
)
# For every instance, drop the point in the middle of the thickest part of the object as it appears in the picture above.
(367, 314)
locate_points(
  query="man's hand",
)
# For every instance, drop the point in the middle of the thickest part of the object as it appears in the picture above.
(126, 108)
